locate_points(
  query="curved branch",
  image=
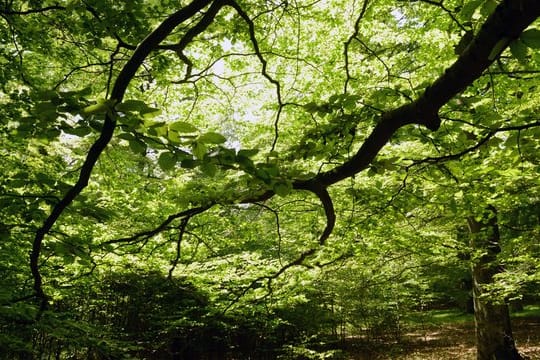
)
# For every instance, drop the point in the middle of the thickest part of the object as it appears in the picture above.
(181, 232)
(326, 201)
(322, 193)
(507, 22)
(201, 26)
(117, 94)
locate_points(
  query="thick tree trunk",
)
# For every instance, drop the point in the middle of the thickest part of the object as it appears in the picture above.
(494, 340)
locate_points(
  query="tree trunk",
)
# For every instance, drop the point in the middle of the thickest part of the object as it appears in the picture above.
(494, 340)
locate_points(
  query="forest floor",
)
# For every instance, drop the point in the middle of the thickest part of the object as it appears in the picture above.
(449, 342)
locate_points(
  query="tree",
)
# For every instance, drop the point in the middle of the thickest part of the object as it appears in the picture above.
(364, 105)
(493, 329)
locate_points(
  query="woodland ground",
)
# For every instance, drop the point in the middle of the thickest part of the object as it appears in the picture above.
(449, 341)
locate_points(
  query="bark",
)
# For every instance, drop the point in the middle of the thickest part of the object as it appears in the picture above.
(494, 339)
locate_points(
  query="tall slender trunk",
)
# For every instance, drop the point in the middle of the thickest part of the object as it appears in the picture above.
(494, 339)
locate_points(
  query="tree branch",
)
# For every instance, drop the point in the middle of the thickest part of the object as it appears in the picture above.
(144, 235)
(255, 43)
(507, 22)
(181, 232)
(117, 94)
(483, 141)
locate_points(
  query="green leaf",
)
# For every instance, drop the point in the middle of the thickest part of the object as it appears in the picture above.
(137, 106)
(137, 146)
(78, 131)
(226, 156)
(271, 169)
(469, 8)
(212, 138)
(531, 38)
(209, 169)
(44, 107)
(247, 153)
(131, 105)
(167, 161)
(311, 107)
(488, 7)
(126, 136)
(350, 101)
(101, 106)
(188, 163)
(282, 188)
(46, 111)
(159, 127)
(150, 113)
(182, 127)
(246, 164)
(519, 50)
(263, 175)
(131, 121)
(199, 149)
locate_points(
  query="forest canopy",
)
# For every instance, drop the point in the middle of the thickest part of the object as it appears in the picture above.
(245, 176)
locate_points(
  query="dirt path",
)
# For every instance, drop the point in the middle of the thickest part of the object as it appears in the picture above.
(449, 342)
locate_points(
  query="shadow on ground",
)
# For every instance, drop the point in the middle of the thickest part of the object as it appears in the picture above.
(445, 342)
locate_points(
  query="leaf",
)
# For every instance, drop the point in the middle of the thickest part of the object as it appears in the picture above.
(159, 126)
(131, 121)
(226, 156)
(126, 136)
(182, 127)
(44, 107)
(350, 101)
(282, 188)
(519, 50)
(188, 163)
(531, 38)
(137, 106)
(311, 107)
(263, 175)
(488, 7)
(101, 106)
(199, 149)
(137, 146)
(212, 138)
(167, 161)
(151, 113)
(209, 169)
(468, 9)
(78, 131)
(247, 153)
(271, 169)
(246, 164)
(46, 111)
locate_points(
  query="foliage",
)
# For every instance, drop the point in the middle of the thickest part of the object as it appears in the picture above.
(258, 178)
